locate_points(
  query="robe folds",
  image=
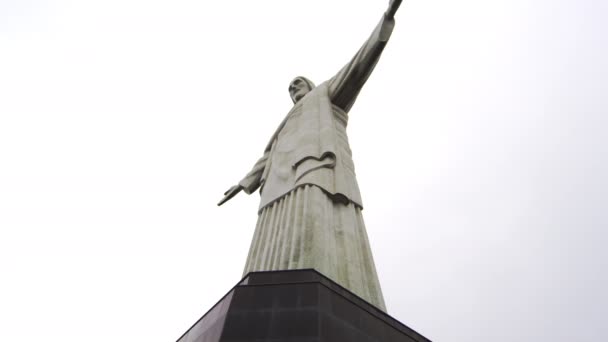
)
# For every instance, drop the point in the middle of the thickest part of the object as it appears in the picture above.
(310, 207)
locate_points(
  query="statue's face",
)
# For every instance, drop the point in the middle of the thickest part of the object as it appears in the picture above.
(298, 88)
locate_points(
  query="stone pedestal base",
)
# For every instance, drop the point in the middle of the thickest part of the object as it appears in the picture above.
(295, 306)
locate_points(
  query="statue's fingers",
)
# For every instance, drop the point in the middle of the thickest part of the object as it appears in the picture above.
(229, 194)
(229, 190)
(226, 198)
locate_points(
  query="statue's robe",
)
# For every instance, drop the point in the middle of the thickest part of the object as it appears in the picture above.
(310, 208)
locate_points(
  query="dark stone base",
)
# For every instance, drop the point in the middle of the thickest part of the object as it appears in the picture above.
(295, 306)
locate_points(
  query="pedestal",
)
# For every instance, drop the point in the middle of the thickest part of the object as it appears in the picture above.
(295, 306)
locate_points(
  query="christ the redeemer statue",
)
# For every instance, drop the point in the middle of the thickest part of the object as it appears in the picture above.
(310, 209)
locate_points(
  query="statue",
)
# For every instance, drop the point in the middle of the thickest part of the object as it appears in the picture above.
(310, 208)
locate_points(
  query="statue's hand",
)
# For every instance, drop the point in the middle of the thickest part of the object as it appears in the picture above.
(230, 193)
(392, 8)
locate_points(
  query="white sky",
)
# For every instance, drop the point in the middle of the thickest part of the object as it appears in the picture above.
(480, 145)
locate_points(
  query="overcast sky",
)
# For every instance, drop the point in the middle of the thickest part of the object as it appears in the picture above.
(480, 144)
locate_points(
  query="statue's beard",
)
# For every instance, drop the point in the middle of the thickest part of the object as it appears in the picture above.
(298, 96)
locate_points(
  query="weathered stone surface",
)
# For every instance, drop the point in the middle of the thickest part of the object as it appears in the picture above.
(306, 229)
(310, 208)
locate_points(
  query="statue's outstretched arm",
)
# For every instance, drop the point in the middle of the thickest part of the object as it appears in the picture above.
(250, 183)
(347, 83)
(392, 8)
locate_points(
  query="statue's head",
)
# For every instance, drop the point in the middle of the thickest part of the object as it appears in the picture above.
(299, 87)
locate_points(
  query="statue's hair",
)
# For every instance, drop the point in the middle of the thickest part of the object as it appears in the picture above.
(309, 82)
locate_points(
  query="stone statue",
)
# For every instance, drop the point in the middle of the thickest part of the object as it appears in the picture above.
(310, 208)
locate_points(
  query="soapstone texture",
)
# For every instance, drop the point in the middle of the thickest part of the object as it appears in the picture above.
(310, 208)
(306, 229)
